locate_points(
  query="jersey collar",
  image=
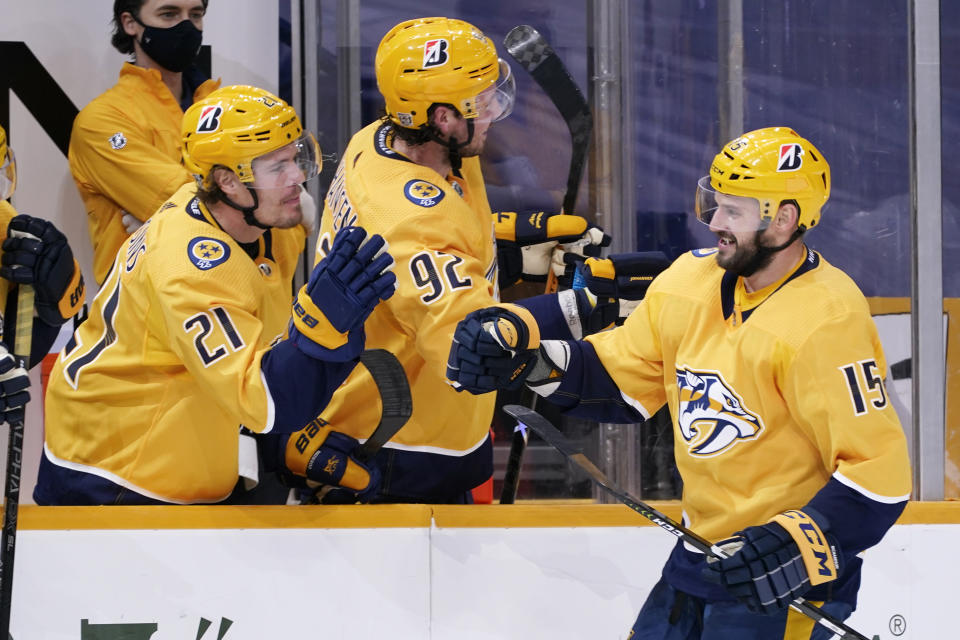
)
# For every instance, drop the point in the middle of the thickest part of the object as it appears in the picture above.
(728, 285)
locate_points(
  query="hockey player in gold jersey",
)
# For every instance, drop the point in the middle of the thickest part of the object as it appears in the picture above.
(792, 456)
(186, 338)
(414, 176)
(35, 253)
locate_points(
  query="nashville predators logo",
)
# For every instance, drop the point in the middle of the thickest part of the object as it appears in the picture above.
(711, 414)
(423, 193)
(206, 253)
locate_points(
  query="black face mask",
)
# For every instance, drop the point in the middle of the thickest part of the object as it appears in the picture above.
(174, 48)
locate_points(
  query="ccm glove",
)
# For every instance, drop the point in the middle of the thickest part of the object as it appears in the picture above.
(526, 243)
(773, 564)
(492, 349)
(13, 387)
(36, 253)
(327, 459)
(621, 281)
(343, 290)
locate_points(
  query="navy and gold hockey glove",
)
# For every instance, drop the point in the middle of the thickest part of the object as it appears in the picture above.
(620, 282)
(527, 243)
(492, 349)
(35, 252)
(325, 461)
(343, 290)
(773, 564)
(14, 381)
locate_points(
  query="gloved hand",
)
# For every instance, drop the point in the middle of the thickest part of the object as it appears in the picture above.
(526, 243)
(327, 459)
(773, 564)
(343, 290)
(620, 282)
(14, 382)
(36, 253)
(492, 349)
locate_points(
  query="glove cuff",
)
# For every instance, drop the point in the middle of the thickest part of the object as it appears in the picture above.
(820, 557)
(528, 331)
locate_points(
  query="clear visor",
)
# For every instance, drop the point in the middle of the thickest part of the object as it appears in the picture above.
(288, 166)
(724, 212)
(8, 175)
(496, 102)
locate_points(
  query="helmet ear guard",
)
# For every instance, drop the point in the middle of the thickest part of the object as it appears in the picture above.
(773, 166)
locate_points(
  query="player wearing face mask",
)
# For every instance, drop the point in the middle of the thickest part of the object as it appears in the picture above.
(125, 148)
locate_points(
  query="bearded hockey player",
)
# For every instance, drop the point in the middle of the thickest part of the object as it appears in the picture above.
(792, 457)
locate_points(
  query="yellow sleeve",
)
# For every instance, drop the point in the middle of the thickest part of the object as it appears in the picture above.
(836, 392)
(138, 176)
(632, 355)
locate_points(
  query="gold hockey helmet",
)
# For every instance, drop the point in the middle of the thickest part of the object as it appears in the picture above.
(770, 165)
(234, 126)
(426, 61)
(8, 168)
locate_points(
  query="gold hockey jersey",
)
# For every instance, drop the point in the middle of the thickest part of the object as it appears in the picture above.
(772, 393)
(153, 386)
(440, 233)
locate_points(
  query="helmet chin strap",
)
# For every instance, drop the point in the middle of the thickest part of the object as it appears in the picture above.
(247, 212)
(453, 145)
(764, 254)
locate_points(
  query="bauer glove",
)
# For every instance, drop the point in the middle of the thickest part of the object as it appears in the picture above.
(619, 283)
(323, 460)
(773, 564)
(526, 243)
(36, 253)
(343, 290)
(492, 349)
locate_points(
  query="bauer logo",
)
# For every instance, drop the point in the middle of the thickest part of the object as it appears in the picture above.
(791, 157)
(423, 193)
(209, 118)
(206, 253)
(435, 53)
(711, 416)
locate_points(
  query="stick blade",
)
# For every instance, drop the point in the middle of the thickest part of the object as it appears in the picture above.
(542, 427)
(395, 399)
(527, 46)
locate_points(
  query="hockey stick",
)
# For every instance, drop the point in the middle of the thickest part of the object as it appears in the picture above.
(396, 403)
(391, 381)
(542, 427)
(533, 53)
(23, 339)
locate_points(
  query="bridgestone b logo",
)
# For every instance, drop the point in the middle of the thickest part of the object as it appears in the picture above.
(209, 119)
(435, 53)
(791, 157)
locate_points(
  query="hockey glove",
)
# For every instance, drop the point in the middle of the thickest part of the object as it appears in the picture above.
(14, 382)
(526, 243)
(343, 290)
(492, 349)
(36, 253)
(773, 564)
(622, 280)
(326, 459)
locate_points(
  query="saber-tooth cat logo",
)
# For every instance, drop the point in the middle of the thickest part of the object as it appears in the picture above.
(711, 414)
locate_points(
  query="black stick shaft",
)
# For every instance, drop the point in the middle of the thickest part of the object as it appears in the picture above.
(23, 338)
(552, 435)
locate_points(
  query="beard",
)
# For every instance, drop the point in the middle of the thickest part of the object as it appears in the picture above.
(747, 257)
